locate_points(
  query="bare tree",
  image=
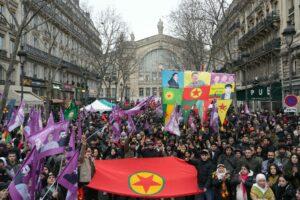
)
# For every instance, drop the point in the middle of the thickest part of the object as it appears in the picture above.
(126, 62)
(110, 25)
(18, 28)
(195, 21)
(52, 42)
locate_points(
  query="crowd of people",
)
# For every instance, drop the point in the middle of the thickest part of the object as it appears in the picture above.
(254, 156)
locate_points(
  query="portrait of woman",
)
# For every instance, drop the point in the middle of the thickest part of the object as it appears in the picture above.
(173, 82)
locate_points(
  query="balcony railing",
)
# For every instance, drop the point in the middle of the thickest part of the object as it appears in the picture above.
(3, 53)
(271, 46)
(44, 57)
(266, 23)
(63, 24)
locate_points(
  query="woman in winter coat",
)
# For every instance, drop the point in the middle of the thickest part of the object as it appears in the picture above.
(283, 190)
(292, 170)
(242, 183)
(273, 174)
(261, 190)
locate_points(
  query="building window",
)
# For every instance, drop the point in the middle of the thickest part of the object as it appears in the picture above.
(35, 42)
(114, 92)
(1, 9)
(148, 92)
(1, 42)
(108, 93)
(1, 73)
(35, 71)
(154, 91)
(11, 46)
(141, 92)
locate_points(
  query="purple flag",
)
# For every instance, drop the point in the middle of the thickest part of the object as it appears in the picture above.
(61, 115)
(131, 126)
(246, 109)
(40, 120)
(19, 187)
(18, 119)
(32, 126)
(50, 120)
(51, 140)
(137, 109)
(68, 178)
(79, 129)
(116, 131)
(192, 124)
(71, 149)
(173, 124)
(214, 119)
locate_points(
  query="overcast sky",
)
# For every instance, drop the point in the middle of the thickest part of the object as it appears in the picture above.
(140, 15)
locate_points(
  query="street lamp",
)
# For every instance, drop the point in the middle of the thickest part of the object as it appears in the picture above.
(22, 56)
(85, 87)
(245, 56)
(288, 34)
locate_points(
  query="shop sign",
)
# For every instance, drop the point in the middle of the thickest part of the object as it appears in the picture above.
(34, 83)
(68, 87)
(290, 110)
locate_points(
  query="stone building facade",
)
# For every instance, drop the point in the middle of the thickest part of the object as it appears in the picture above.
(152, 55)
(75, 39)
(254, 49)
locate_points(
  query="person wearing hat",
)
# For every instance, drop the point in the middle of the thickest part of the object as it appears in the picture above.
(282, 155)
(228, 159)
(261, 190)
(242, 182)
(204, 168)
(221, 183)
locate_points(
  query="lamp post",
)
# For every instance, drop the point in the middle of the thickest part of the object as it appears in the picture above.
(22, 56)
(288, 34)
(85, 88)
(245, 56)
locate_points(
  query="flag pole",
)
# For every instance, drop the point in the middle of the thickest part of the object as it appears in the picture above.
(61, 162)
(48, 190)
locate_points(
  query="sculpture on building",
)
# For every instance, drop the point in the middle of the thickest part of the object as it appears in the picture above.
(160, 27)
(132, 37)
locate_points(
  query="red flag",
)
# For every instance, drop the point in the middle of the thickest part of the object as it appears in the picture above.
(146, 177)
(199, 93)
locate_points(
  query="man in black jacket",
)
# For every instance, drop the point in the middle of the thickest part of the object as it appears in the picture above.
(204, 170)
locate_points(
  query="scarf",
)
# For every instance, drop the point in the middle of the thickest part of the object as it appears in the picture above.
(242, 185)
(220, 175)
(263, 190)
(224, 191)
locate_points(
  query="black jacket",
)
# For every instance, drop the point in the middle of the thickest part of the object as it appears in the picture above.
(204, 172)
(284, 193)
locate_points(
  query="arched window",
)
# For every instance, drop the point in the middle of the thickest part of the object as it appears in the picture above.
(149, 70)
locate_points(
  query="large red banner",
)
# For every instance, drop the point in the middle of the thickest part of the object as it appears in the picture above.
(146, 177)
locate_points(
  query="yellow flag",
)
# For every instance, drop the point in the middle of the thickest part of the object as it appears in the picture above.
(223, 106)
(169, 110)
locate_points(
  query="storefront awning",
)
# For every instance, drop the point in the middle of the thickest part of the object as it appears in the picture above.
(29, 98)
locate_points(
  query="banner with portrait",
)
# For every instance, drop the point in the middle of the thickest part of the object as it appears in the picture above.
(195, 90)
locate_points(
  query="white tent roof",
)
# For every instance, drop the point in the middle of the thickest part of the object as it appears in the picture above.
(97, 106)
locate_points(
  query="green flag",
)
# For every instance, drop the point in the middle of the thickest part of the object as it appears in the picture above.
(172, 96)
(71, 112)
(186, 109)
